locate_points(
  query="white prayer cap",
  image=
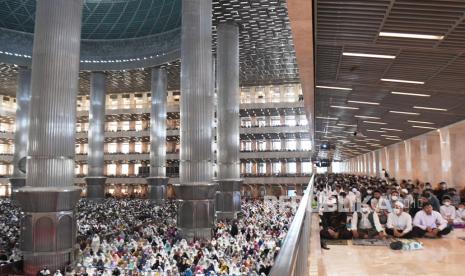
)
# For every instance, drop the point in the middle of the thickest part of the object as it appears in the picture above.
(399, 204)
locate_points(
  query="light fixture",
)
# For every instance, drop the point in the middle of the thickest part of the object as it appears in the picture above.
(346, 125)
(368, 55)
(334, 87)
(403, 112)
(391, 129)
(394, 139)
(360, 102)
(376, 123)
(420, 122)
(334, 127)
(367, 117)
(430, 108)
(390, 136)
(410, 94)
(404, 81)
(327, 118)
(405, 35)
(374, 130)
(425, 127)
(344, 107)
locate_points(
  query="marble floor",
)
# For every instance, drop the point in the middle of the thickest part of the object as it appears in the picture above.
(444, 256)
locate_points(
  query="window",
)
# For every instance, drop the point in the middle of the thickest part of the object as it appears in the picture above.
(112, 126)
(246, 122)
(303, 120)
(112, 147)
(261, 121)
(125, 169)
(138, 147)
(276, 144)
(248, 146)
(85, 148)
(138, 125)
(111, 169)
(291, 145)
(85, 169)
(261, 145)
(276, 167)
(305, 144)
(290, 120)
(136, 168)
(262, 168)
(306, 167)
(291, 167)
(125, 147)
(125, 125)
(248, 167)
(275, 121)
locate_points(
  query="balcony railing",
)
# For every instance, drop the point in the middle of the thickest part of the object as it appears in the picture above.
(293, 258)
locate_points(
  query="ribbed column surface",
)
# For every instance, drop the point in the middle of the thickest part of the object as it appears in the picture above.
(23, 99)
(196, 92)
(228, 101)
(96, 124)
(55, 69)
(158, 123)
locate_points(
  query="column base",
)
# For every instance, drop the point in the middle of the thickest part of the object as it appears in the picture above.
(196, 210)
(16, 183)
(95, 187)
(48, 231)
(157, 188)
(228, 198)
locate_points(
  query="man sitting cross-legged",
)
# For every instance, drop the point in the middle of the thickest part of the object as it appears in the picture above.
(429, 223)
(366, 225)
(399, 223)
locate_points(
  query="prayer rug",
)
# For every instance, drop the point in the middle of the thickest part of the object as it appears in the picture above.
(337, 242)
(371, 242)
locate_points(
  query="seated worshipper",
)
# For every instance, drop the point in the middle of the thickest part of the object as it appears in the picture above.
(454, 197)
(44, 271)
(428, 196)
(399, 223)
(429, 223)
(448, 210)
(334, 223)
(394, 197)
(460, 214)
(441, 190)
(365, 224)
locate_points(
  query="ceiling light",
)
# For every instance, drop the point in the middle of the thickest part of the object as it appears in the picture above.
(326, 118)
(334, 87)
(410, 94)
(425, 127)
(334, 126)
(373, 130)
(390, 136)
(346, 125)
(360, 102)
(377, 123)
(420, 122)
(344, 107)
(430, 108)
(404, 35)
(391, 129)
(404, 81)
(368, 55)
(403, 112)
(394, 139)
(367, 117)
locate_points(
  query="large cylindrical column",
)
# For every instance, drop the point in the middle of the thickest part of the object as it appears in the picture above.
(196, 190)
(23, 99)
(95, 158)
(229, 195)
(48, 230)
(157, 181)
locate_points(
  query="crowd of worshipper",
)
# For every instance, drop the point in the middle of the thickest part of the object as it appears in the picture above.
(245, 246)
(136, 237)
(364, 207)
(10, 217)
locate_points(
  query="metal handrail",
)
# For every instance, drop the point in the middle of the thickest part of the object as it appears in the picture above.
(293, 256)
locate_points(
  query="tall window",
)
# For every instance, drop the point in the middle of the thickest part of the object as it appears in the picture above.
(291, 167)
(125, 147)
(261, 145)
(261, 121)
(275, 121)
(262, 168)
(305, 144)
(303, 120)
(276, 167)
(125, 169)
(136, 168)
(138, 125)
(306, 167)
(276, 144)
(138, 147)
(112, 147)
(112, 126)
(248, 145)
(290, 120)
(291, 144)
(125, 125)
(248, 167)
(111, 169)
